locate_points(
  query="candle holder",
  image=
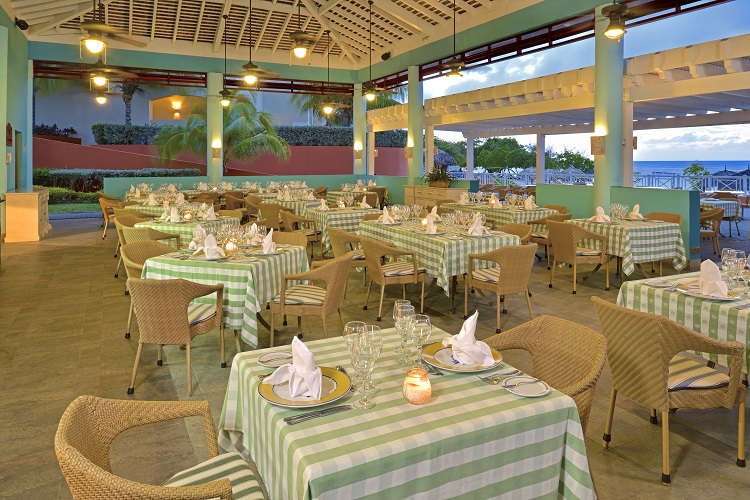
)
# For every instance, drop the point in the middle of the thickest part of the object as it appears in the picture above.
(187, 216)
(230, 246)
(417, 389)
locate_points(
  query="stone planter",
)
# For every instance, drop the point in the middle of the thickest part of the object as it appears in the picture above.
(440, 184)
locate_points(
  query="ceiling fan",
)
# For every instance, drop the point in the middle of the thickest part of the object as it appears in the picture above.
(252, 72)
(97, 30)
(302, 40)
(329, 106)
(370, 89)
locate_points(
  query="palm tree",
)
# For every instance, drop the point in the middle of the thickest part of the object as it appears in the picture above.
(344, 117)
(47, 86)
(247, 134)
(129, 90)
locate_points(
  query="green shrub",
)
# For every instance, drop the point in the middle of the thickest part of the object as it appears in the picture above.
(42, 177)
(390, 139)
(88, 180)
(336, 136)
(43, 129)
(58, 195)
(113, 133)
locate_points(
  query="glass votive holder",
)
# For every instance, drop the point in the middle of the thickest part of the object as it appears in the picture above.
(417, 388)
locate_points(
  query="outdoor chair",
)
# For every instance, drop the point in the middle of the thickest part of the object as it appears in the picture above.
(566, 355)
(298, 224)
(257, 222)
(342, 243)
(122, 221)
(370, 197)
(565, 239)
(110, 197)
(541, 236)
(561, 209)
(486, 188)
(380, 191)
(665, 217)
(255, 200)
(744, 202)
(167, 315)
(371, 216)
(128, 212)
(236, 213)
(396, 272)
(510, 276)
(139, 234)
(645, 356)
(234, 194)
(523, 231)
(232, 203)
(89, 426)
(270, 212)
(320, 191)
(108, 214)
(293, 238)
(711, 225)
(306, 299)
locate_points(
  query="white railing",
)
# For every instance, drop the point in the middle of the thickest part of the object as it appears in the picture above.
(706, 183)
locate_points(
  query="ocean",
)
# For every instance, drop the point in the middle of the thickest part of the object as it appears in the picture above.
(651, 167)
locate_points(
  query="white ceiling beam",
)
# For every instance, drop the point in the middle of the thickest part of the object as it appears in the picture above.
(222, 25)
(335, 35)
(391, 11)
(281, 33)
(262, 31)
(328, 6)
(77, 11)
(353, 27)
(62, 6)
(200, 20)
(130, 18)
(153, 19)
(177, 21)
(695, 86)
(242, 30)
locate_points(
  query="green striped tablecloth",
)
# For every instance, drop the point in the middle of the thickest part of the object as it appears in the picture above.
(443, 258)
(638, 242)
(185, 229)
(248, 285)
(299, 207)
(502, 216)
(712, 318)
(473, 440)
(157, 210)
(731, 207)
(347, 219)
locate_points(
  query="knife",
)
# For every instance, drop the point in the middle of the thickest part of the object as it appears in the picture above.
(318, 413)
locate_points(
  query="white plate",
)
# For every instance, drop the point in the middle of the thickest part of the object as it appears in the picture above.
(442, 358)
(334, 386)
(658, 283)
(454, 237)
(695, 292)
(275, 359)
(527, 390)
(440, 232)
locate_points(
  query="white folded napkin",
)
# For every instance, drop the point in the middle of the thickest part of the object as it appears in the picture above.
(204, 207)
(152, 200)
(310, 195)
(493, 202)
(386, 217)
(268, 245)
(371, 183)
(174, 215)
(166, 215)
(280, 196)
(529, 202)
(132, 188)
(467, 350)
(433, 215)
(600, 216)
(246, 185)
(363, 204)
(203, 186)
(464, 200)
(636, 213)
(323, 204)
(357, 189)
(710, 280)
(360, 182)
(171, 188)
(210, 214)
(304, 377)
(210, 249)
(137, 193)
(477, 229)
(287, 196)
(430, 227)
(199, 238)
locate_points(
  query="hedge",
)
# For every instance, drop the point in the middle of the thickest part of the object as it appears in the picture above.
(44, 129)
(111, 133)
(58, 195)
(337, 136)
(88, 180)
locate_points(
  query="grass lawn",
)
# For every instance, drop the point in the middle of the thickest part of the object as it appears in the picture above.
(74, 208)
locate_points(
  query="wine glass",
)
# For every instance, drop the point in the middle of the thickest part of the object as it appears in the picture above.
(419, 331)
(396, 314)
(373, 336)
(363, 360)
(403, 325)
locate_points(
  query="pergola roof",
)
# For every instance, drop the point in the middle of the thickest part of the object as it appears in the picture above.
(698, 85)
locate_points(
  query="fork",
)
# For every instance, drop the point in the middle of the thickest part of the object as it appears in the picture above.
(495, 378)
(434, 370)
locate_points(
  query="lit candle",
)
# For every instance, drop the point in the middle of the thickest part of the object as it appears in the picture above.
(216, 188)
(342, 204)
(188, 216)
(417, 389)
(424, 223)
(230, 246)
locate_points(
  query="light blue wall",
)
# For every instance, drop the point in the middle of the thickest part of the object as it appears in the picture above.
(578, 199)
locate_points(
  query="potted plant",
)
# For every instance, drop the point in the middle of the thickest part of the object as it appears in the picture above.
(439, 177)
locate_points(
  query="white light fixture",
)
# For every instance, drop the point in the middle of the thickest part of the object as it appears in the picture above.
(615, 29)
(358, 150)
(176, 105)
(250, 79)
(225, 98)
(94, 43)
(370, 95)
(455, 65)
(300, 51)
(101, 98)
(216, 148)
(99, 80)
(225, 94)
(301, 39)
(327, 108)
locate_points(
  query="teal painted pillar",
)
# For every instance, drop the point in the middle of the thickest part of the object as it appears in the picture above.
(609, 67)
(359, 115)
(3, 113)
(214, 127)
(415, 134)
(27, 180)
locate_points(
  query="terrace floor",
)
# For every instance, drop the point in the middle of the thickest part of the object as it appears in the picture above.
(62, 319)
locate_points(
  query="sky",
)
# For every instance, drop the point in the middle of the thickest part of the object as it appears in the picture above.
(727, 142)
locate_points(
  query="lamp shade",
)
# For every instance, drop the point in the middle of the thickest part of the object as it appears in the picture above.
(615, 29)
(94, 44)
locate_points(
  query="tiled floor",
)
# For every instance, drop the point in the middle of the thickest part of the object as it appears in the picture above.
(62, 319)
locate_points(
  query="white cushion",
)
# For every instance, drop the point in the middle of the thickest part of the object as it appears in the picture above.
(488, 275)
(686, 373)
(587, 251)
(303, 294)
(358, 255)
(400, 268)
(230, 466)
(198, 313)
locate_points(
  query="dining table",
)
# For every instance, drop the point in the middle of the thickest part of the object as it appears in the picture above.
(731, 207)
(506, 214)
(471, 440)
(250, 280)
(156, 210)
(638, 241)
(443, 255)
(333, 197)
(298, 206)
(185, 229)
(346, 219)
(717, 319)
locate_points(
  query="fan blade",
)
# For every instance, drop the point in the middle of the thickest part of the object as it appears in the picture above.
(266, 73)
(98, 27)
(128, 41)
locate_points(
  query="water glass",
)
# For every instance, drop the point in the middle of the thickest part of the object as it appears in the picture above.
(363, 360)
(372, 335)
(404, 320)
(420, 330)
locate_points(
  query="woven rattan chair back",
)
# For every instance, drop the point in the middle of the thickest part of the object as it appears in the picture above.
(238, 213)
(253, 199)
(725, 195)
(380, 191)
(270, 212)
(523, 231)
(561, 209)
(565, 237)
(123, 221)
(134, 255)
(290, 238)
(713, 217)
(371, 216)
(566, 355)
(109, 197)
(486, 188)
(233, 203)
(234, 194)
(342, 242)
(370, 197)
(320, 191)
(139, 234)
(664, 216)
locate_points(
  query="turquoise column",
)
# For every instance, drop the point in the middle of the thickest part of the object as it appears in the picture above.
(3, 113)
(214, 127)
(359, 115)
(27, 181)
(415, 134)
(609, 67)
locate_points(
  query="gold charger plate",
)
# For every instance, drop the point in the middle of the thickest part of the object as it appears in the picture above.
(335, 385)
(440, 357)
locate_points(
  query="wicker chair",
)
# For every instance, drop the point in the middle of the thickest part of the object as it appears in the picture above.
(110, 197)
(166, 315)
(139, 234)
(566, 355)
(253, 199)
(270, 212)
(233, 203)
(320, 191)
(712, 219)
(561, 209)
(487, 188)
(565, 239)
(371, 216)
(238, 213)
(665, 217)
(293, 238)
(90, 425)
(342, 243)
(370, 197)
(121, 222)
(380, 191)
(523, 231)
(398, 272)
(744, 202)
(108, 214)
(647, 367)
(310, 300)
(511, 276)
(298, 224)
(542, 237)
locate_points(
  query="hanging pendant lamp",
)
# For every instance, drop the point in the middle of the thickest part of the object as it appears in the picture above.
(454, 65)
